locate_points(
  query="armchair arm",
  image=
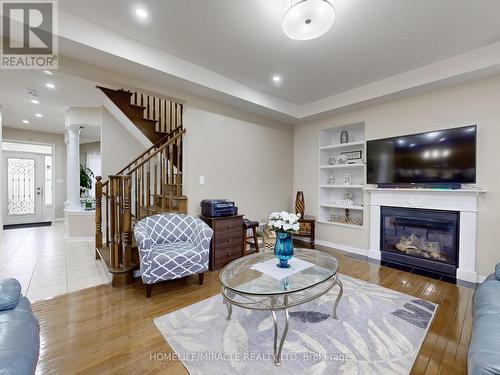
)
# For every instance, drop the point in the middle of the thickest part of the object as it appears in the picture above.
(202, 235)
(144, 241)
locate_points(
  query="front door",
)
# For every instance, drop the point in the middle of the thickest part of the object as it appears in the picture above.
(23, 187)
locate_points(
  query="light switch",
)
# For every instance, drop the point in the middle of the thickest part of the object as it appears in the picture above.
(202, 180)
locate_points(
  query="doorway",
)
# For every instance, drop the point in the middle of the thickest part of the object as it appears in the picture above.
(27, 183)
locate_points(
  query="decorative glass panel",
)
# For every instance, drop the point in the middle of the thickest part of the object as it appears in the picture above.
(48, 180)
(21, 186)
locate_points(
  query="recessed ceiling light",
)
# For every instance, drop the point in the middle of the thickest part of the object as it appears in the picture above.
(48, 72)
(50, 85)
(141, 13)
(276, 78)
(26, 122)
(35, 101)
(38, 115)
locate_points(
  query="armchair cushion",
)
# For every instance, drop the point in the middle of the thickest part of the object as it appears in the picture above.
(175, 260)
(10, 292)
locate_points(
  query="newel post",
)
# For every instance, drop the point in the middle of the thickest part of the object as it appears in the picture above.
(114, 226)
(127, 223)
(98, 215)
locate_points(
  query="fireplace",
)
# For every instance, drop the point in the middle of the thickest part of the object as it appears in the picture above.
(420, 238)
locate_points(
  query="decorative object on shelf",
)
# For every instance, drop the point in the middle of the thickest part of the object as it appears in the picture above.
(333, 217)
(348, 179)
(342, 159)
(344, 219)
(353, 155)
(300, 204)
(285, 225)
(332, 161)
(348, 196)
(344, 136)
(308, 19)
(331, 179)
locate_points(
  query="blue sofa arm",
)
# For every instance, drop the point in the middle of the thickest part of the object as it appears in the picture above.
(484, 349)
(10, 292)
(19, 333)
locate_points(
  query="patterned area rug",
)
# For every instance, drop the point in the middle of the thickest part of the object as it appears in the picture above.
(379, 331)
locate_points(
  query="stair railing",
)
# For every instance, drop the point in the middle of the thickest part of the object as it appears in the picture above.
(150, 184)
(168, 114)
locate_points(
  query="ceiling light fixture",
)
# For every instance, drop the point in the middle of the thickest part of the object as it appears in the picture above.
(48, 72)
(50, 85)
(34, 101)
(141, 13)
(38, 115)
(308, 19)
(276, 78)
(26, 122)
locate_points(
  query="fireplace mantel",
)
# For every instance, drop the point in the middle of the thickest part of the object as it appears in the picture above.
(462, 200)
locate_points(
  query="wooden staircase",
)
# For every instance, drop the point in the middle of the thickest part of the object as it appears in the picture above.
(150, 184)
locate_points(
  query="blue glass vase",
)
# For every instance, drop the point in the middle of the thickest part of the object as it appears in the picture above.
(283, 249)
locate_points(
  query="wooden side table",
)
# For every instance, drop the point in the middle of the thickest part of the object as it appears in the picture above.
(227, 241)
(307, 230)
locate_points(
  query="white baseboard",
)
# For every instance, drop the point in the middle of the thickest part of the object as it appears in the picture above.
(481, 278)
(58, 219)
(470, 276)
(346, 248)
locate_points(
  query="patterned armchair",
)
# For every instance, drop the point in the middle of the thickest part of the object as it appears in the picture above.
(172, 246)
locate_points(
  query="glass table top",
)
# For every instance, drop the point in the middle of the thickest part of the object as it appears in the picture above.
(239, 276)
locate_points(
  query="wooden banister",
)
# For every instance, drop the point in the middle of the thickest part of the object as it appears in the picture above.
(165, 145)
(157, 144)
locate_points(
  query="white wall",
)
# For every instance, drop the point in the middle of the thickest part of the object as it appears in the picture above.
(243, 158)
(472, 103)
(89, 148)
(118, 146)
(59, 184)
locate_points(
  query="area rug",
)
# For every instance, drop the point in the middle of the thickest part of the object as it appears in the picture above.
(379, 331)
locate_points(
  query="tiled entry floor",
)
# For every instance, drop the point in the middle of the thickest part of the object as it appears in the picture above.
(46, 265)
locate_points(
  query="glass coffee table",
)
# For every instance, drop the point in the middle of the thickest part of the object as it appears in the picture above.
(245, 287)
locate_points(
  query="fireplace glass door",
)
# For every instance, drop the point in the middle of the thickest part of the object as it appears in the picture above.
(430, 235)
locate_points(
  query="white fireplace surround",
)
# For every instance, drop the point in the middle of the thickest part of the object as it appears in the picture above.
(461, 200)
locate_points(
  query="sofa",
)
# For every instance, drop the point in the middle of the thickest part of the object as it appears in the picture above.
(484, 349)
(172, 246)
(19, 331)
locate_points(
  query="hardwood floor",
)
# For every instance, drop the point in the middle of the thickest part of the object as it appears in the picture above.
(103, 330)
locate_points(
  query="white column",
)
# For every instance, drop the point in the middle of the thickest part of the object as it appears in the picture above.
(73, 167)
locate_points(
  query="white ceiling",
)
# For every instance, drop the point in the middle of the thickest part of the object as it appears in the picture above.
(69, 92)
(242, 39)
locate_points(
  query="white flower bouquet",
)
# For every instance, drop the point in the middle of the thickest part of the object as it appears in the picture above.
(283, 222)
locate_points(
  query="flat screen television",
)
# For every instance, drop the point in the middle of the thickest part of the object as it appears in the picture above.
(438, 157)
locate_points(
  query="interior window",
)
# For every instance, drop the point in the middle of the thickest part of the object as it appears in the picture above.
(26, 147)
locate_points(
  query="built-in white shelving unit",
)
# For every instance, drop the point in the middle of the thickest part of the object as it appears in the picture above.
(332, 195)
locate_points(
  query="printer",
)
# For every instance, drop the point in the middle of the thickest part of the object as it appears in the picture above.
(218, 208)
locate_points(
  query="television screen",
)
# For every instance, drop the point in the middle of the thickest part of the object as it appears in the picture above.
(441, 156)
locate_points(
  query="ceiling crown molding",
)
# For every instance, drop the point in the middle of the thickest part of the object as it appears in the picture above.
(83, 39)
